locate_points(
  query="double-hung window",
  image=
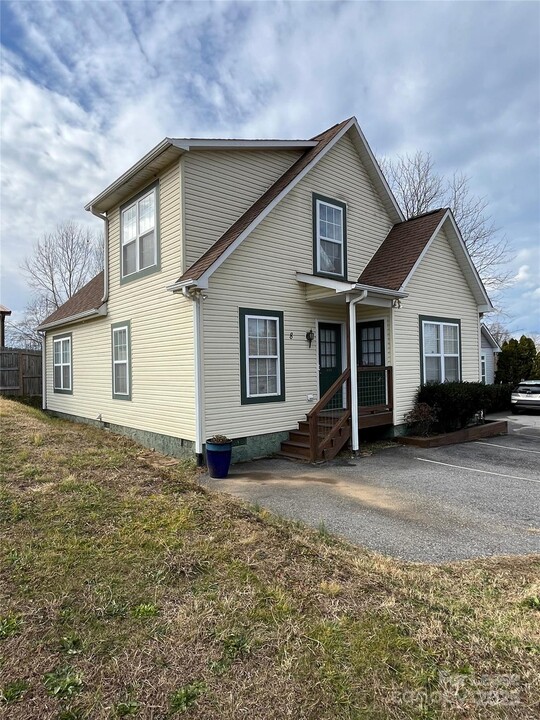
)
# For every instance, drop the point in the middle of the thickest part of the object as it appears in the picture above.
(121, 361)
(441, 349)
(483, 366)
(140, 235)
(62, 364)
(262, 361)
(330, 237)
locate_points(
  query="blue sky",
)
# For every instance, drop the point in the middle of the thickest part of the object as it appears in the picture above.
(88, 87)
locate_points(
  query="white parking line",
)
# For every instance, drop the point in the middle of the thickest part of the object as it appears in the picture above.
(487, 472)
(522, 434)
(506, 447)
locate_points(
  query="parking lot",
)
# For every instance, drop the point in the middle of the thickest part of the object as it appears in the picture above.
(461, 501)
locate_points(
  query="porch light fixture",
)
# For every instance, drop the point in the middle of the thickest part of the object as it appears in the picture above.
(396, 304)
(310, 336)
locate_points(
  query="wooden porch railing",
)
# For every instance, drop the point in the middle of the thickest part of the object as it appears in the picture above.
(375, 388)
(329, 421)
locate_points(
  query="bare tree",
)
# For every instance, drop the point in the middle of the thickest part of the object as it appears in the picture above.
(415, 183)
(499, 332)
(419, 188)
(60, 264)
(23, 333)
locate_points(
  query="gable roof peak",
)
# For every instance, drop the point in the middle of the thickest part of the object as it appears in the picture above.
(319, 136)
(219, 251)
(425, 214)
(241, 227)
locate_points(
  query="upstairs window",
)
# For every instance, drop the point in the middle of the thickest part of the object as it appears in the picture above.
(62, 364)
(441, 349)
(329, 223)
(139, 234)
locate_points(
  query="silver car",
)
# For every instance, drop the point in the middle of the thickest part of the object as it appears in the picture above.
(526, 396)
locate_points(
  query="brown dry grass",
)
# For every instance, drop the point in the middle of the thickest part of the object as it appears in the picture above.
(128, 591)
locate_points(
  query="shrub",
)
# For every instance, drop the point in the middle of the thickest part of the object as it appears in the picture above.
(498, 397)
(455, 403)
(422, 419)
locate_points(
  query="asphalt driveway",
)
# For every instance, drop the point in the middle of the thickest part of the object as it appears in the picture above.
(462, 501)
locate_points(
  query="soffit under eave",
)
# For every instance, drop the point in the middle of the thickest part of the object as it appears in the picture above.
(145, 176)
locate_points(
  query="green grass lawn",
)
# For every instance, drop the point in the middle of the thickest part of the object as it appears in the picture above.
(126, 590)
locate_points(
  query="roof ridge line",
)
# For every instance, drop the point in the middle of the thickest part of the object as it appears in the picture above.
(425, 214)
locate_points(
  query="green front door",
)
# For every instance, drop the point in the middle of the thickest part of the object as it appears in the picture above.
(370, 356)
(330, 360)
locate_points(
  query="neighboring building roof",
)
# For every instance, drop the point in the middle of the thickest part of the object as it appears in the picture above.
(4, 310)
(227, 239)
(398, 253)
(489, 337)
(85, 301)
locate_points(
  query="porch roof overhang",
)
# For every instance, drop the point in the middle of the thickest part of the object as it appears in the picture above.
(327, 290)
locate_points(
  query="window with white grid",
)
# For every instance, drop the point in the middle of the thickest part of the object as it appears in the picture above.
(62, 364)
(262, 353)
(330, 237)
(121, 371)
(262, 362)
(139, 234)
(440, 351)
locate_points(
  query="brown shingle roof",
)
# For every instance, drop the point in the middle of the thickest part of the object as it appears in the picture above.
(402, 247)
(89, 297)
(237, 228)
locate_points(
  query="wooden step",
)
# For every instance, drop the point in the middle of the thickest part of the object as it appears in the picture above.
(295, 449)
(292, 456)
(299, 436)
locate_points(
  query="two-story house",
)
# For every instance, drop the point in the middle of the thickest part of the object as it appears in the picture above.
(269, 290)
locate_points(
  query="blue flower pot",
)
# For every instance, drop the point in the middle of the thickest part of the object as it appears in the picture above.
(218, 459)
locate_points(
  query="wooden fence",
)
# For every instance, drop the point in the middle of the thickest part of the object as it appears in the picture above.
(20, 372)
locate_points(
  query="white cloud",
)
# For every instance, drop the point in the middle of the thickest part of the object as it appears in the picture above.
(523, 276)
(89, 87)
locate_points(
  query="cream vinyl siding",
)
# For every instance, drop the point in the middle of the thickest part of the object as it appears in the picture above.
(161, 339)
(260, 274)
(220, 185)
(437, 289)
(487, 350)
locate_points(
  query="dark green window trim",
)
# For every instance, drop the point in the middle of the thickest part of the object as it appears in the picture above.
(153, 268)
(435, 319)
(61, 391)
(116, 326)
(343, 206)
(245, 399)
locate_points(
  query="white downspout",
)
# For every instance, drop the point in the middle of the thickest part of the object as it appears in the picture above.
(105, 254)
(44, 371)
(354, 375)
(199, 399)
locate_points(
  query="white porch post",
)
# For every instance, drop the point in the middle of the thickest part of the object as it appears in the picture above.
(353, 302)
